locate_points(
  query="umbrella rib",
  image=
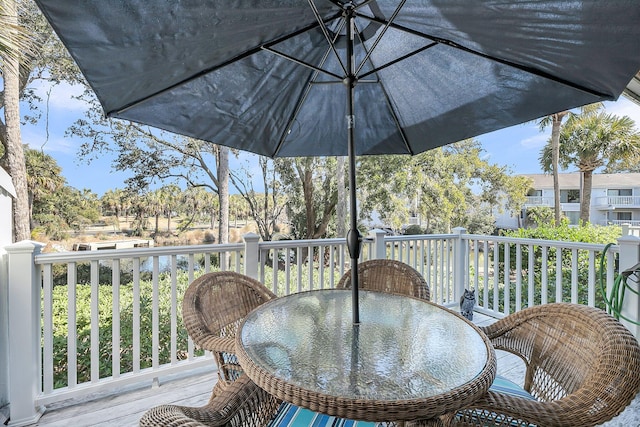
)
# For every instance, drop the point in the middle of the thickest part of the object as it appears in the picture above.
(325, 32)
(206, 71)
(296, 110)
(396, 120)
(508, 63)
(382, 33)
(300, 62)
(402, 58)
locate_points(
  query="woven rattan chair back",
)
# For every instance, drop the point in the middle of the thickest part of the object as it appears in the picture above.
(212, 309)
(386, 275)
(582, 367)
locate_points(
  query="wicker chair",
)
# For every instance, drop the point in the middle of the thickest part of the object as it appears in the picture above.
(582, 368)
(387, 275)
(212, 309)
(239, 404)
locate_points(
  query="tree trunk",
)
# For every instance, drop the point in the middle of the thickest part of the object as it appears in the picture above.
(585, 197)
(15, 161)
(555, 160)
(341, 211)
(223, 193)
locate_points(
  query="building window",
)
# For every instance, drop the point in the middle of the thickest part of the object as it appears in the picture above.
(569, 196)
(623, 216)
(573, 216)
(620, 192)
(534, 193)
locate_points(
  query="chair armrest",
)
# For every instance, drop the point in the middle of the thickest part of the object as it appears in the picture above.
(241, 403)
(217, 344)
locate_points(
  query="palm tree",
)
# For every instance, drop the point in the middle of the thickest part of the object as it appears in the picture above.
(13, 37)
(593, 140)
(555, 120)
(44, 177)
(13, 40)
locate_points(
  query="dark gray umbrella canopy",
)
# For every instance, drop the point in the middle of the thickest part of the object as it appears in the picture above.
(199, 68)
(269, 76)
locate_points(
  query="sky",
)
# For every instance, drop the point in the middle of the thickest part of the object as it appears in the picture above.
(517, 147)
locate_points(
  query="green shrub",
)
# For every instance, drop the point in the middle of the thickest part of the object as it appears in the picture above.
(412, 230)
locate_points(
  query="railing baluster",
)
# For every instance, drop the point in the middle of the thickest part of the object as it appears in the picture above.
(274, 271)
(332, 266)
(507, 279)
(299, 268)
(115, 312)
(558, 274)
(518, 276)
(439, 271)
(574, 276)
(496, 268)
(155, 314)
(95, 321)
(591, 288)
(429, 273)
(310, 266)
(485, 275)
(321, 265)
(72, 327)
(207, 262)
(476, 266)
(531, 280)
(174, 309)
(136, 315)
(47, 328)
(544, 292)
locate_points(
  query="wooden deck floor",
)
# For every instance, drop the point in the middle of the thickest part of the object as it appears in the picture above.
(125, 408)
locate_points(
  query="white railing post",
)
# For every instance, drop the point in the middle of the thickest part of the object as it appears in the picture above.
(629, 257)
(24, 332)
(380, 251)
(251, 255)
(459, 267)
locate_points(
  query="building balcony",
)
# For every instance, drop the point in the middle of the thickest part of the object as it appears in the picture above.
(615, 202)
(538, 201)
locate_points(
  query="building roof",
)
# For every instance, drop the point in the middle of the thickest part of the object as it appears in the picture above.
(600, 180)
(6, 184)
(632, 91)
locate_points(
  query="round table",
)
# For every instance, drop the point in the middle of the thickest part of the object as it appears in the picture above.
(407, 359)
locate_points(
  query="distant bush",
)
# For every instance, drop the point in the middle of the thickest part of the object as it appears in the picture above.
(413, 230)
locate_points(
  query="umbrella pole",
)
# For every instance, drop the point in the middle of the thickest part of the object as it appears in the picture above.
(353, 236)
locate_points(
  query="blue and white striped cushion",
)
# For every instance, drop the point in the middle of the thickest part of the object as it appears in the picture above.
(289, 415)
(504, 386)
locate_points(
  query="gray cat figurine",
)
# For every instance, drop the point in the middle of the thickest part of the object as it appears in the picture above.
(467, 302)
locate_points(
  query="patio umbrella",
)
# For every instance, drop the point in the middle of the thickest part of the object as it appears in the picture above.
(269, 76)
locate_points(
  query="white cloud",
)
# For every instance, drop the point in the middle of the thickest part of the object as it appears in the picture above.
(535, 142)
(61, 96)
(624, 107)
(54, 144)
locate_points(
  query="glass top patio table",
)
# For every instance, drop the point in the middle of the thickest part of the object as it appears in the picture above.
(407, 359)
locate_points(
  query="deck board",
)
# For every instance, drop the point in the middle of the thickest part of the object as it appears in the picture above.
(124, 409)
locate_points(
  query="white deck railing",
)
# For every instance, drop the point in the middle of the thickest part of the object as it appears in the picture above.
(134, 332)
